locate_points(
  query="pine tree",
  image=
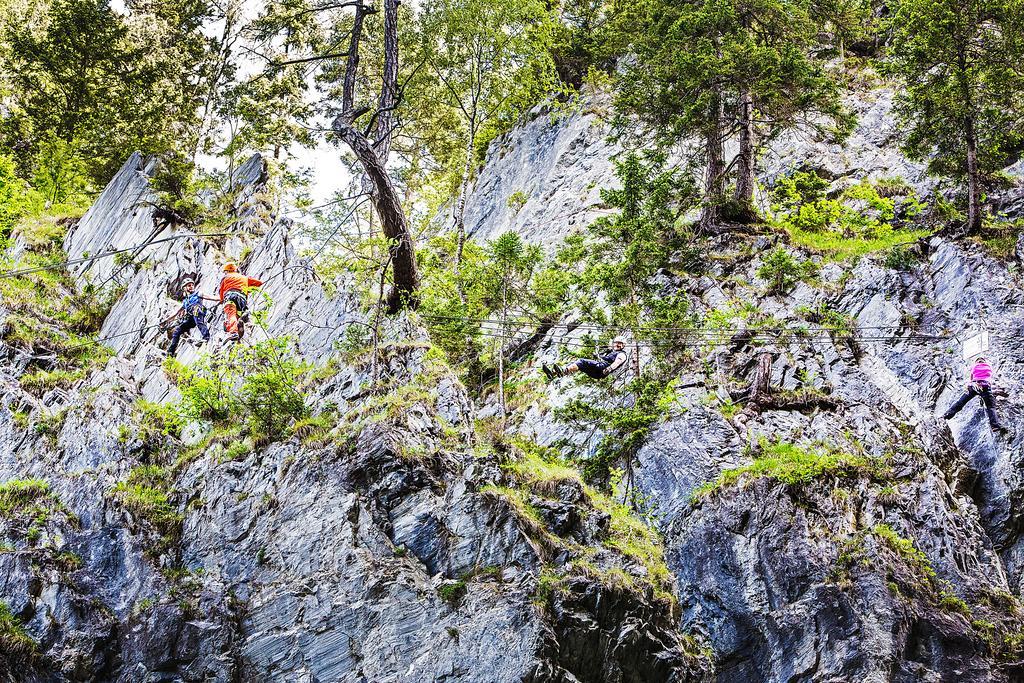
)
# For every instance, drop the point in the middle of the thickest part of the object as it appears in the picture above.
(959, 61)
(725, 69)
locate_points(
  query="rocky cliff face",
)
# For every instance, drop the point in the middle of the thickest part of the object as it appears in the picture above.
(900, 560)
(382, 544)
(840, 533)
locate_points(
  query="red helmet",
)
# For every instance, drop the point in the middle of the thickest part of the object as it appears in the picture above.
(230, 267)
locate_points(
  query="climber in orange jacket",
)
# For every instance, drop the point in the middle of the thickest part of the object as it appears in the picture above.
(233, 289)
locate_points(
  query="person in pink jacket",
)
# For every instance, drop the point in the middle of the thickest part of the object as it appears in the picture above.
(979, 383)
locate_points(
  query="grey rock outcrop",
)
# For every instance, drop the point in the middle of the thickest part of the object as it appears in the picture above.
(804, 581)
(364, 550)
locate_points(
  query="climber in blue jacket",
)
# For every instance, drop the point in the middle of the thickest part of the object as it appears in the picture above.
(608, 363)
(191, 314)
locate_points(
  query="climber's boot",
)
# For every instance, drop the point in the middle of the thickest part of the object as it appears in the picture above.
(548, 372)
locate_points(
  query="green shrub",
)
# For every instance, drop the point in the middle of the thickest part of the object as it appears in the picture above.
(237, 450)
(255, 384)
(781, 270)
(900, 258)
(863, 219)
(176, 187)
(626, 427)
(951, 603)
(517, 200)
(452, 591)
(792, 464)
(16, 197)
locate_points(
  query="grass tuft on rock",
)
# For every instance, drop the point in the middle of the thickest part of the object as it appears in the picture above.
(792, 464)
(18, 494)
(49, 317)
(631, 536)
(146, 495)
(541, 469)
(17, 649)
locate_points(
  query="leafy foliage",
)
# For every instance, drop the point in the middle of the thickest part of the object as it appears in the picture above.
(86, 85)
(644, 402)
(781, 270)
(859, 221)
(616, 261)
(253, 384)
(506, 280)
(699, 66)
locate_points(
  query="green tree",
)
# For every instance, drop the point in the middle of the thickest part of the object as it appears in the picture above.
(273, 109)
(15, 198)
(959, 61)
(724, 70)
(619, 257)
(505, 280)
(581, 41)
(101, 82)
(59, 173)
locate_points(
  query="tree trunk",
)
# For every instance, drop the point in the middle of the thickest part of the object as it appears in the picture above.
(348, 86)
(373, 155)
(744, 194)
(714, 180)
(392, 218)
(389, 88)
(501, 351)
(973, 177)
(460, 206)
(971, 139)
(760, 388)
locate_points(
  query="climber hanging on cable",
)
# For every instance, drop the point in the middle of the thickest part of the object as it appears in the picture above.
(606, 364)
(191, 314)
(234, 288)
(979, 383)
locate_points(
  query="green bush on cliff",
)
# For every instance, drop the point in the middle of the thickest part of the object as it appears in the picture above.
(792, 464)
(862, 219)
(254, 384)
(642, 404)
(32, 502)
(781, 271)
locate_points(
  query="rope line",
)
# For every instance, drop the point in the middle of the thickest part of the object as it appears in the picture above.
(86, 259)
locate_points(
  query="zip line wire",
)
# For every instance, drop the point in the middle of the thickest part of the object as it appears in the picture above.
(724, 336)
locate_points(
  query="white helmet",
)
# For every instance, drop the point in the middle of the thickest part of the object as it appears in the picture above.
(619, 340)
